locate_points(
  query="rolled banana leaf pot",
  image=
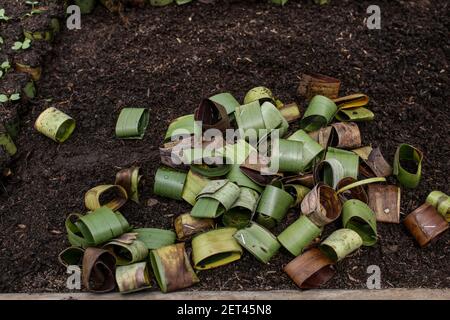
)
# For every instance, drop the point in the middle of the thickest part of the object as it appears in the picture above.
(425, 224)
(55, 124)
(259, 241)
(186, 226)
(215, 248)
(310, 270)
(172, 268)
(357, 216)
(340, 244)
(98, 271)
(133, 277)
(441, 202)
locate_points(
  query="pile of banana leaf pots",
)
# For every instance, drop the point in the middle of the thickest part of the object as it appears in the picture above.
(242, 168)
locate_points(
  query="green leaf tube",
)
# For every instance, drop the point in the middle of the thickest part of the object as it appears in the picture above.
(242, 210)
(130, 180)
(357, 216)
(132, 123)
(192, 187)
(259, 241)
(319, 113)
(172, 268)
(154, 238)
(227, 100)
(260, 94)
(133, 277)
(7, 143)
(329, 172)
(311, 149)
(169, 183)
(406, 152)
(95, 228)
(340, 244)
(299, 235)
(298, 192)
(273, 206)
(127, 249)
(288, 155)
(348, 160)
(216, 198)
(215, 248)
(249, 116)
(55, 124)
(182, 125)
(116, 197)
(71, 256)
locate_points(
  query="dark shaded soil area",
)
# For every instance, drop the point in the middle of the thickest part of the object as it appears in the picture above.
(167, 59)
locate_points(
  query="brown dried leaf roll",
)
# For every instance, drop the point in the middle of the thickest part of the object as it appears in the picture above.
(259, 172)
(187, 226)
(318, 84)
(212, 115)
(321, 205)
(384, 200)
(346, 135)
(425, 224)
(310, 270)
(306, 180)
(99, 267)
(322, 136)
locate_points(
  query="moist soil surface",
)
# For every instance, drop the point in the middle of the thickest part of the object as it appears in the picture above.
(167, 59)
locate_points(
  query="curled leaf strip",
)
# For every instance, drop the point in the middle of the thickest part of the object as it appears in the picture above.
(99, 268)
(187, 226)
(340, 244)
(310, 270)
(172, 268)
(132, 123)
(259, 241)
(321, 205)
(319, 113)
(318, 84)
(215, 248)
(441, 202)
(109, 195)
(127, 249)
(273, 206)
(130, 179)
(357, 215)
(410, 177)
(55, 124)
(297, 236)
(169, 183)
(133, 277)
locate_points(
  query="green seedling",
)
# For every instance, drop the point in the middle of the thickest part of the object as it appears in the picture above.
(14, 97)
(4, 67)
(1, 40)
(34, 10)
(21, 45)
(3, 15)
(322, 2)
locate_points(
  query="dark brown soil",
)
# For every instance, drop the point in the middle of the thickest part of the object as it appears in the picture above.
(167, 59)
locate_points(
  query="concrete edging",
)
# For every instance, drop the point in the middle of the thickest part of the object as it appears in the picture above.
(325, 294)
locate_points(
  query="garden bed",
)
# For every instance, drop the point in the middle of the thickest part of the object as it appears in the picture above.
(167, 59)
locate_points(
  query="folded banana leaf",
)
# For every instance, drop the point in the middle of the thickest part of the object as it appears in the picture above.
(310, 149)
(318, 84)
(109, 195)
(345, 135)
(384, 200)
(297, 236)
(71, 256)
(374, 164)
(172, 268)
(310, 270)
(321, 205)
(127, 249)
(130, 180)
(170, 183)
(132, 123)
(298, 192)
(257, 168)
(322, 136)
(98, 270)
(259, 241)
(340, 244)
(187, 226)
(351, 101)
(319, 113)
(273, 206)
(95, 228)
(260, 94)
(227, 101)
(154, 238)
(348, 160)
(329, 172)
(240, 213)
(407, 155)
(193, 185)
(212, 115)
(183, 126)
(133, 277)
(55, 124)
(216, 198)
(357, 216)
(215, 248)
(425, 224)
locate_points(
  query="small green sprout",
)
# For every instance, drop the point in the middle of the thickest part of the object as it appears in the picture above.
(14, 97)
(33, 11)
(4, 67)
(21, 45)
(3, 15)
